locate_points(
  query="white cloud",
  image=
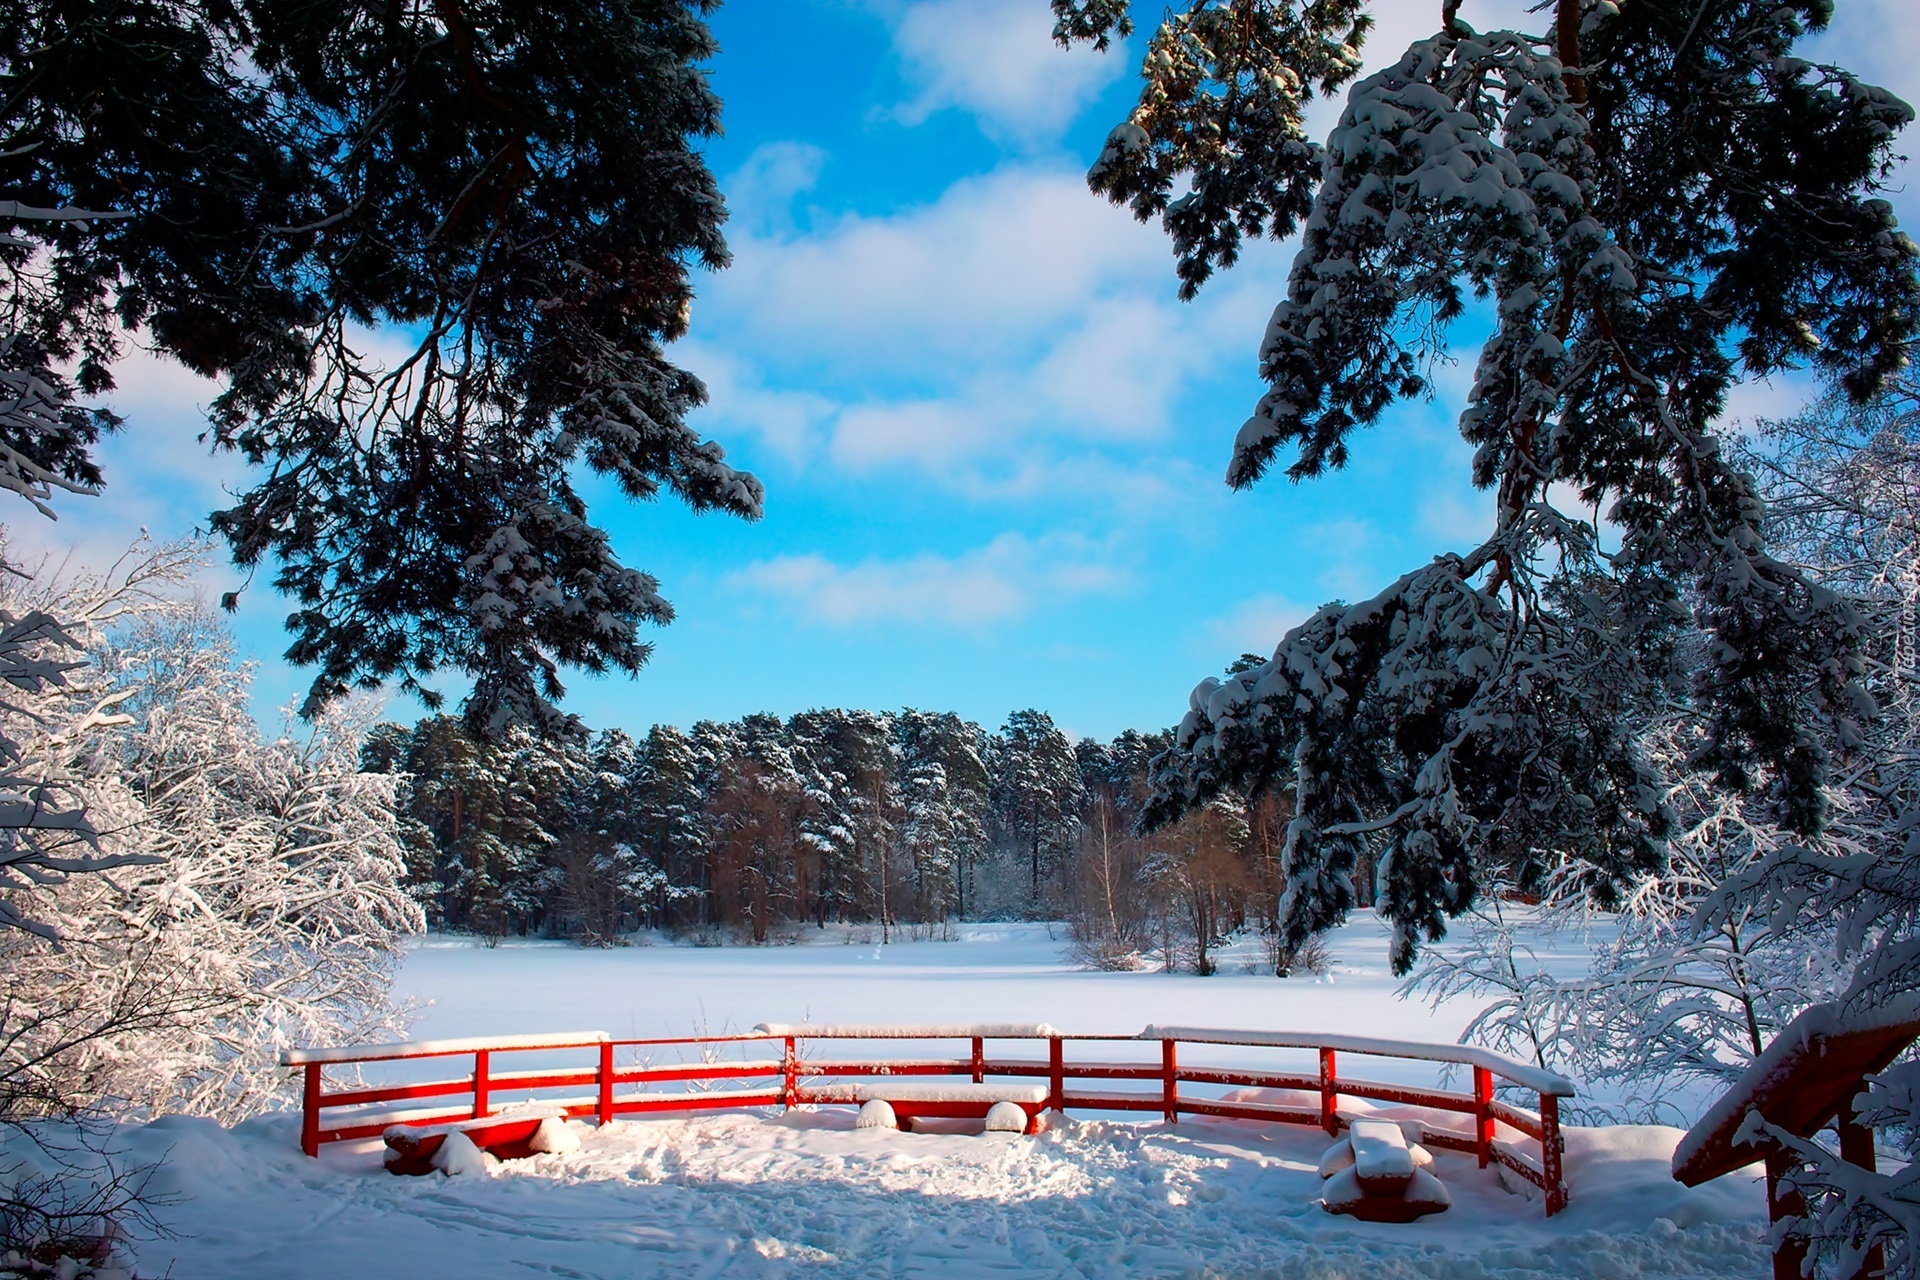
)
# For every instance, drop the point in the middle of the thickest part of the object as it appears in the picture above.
(1456, 521)
(997, 60)
(994, 265)
(1256, 624)
(761, 192)
(1008, 336)
(790, 423)
(1003, 580)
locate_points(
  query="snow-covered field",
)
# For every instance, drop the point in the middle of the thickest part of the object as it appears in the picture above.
(805, 1194)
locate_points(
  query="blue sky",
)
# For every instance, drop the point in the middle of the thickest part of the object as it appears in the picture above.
(991, 436)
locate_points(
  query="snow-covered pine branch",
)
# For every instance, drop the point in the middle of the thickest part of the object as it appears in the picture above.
(1480, 716)
(45, 438)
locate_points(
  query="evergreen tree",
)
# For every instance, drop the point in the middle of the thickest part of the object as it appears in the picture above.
(943, 796)
(1036, 795)
(517, 188)
(668, 803)
(1656, 199)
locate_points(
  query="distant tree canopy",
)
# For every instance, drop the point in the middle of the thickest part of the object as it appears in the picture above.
(1652, 201)
(758, 826)
(509, 193)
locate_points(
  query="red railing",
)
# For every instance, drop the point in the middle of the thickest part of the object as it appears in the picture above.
(724, 1078)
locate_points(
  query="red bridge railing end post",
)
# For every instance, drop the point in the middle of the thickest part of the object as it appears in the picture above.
(605, 1116)
(1056, 1076)
(1329, 1095)
(1550, 1154)
(1483, 1115)
(310, 1111)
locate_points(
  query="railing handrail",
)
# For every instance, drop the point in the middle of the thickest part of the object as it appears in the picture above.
(442, 1048)
(1525, 1074)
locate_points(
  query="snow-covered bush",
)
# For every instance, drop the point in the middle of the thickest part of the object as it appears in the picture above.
(265, 909)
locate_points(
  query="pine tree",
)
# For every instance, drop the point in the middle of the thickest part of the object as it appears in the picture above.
(1036, 795)
(517, 189)
(943, 795)
(1655, 200)
(667, 807)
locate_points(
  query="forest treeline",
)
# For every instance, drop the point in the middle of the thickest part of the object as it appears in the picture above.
(746, 829)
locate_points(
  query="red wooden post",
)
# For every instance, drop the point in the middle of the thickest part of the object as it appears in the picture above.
(480, 1083)
(1789, 1255)
(1550, 1154)
(1483, 1114)
(979, 1059)
(1856, 1148)
(1056, 1074)
(1328, 1120)
(310, 1111)
(606, 1083)
(790, 1075)
(1169, 1082)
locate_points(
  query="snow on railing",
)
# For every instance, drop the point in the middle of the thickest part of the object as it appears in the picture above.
(1524, 1074)
(718, 1081)
(439, 1048)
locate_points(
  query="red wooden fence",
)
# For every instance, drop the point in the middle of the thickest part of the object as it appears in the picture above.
(785, 1075)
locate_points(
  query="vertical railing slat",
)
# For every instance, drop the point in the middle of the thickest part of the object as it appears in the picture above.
(606, 1083)
(1056, 1075)
(1550, 1161)
(310, 1111)
(481, 1083)
(1329, 1093)
(789, 1075)
(1170, 1081)
(1483, 1114)
(979, 1059)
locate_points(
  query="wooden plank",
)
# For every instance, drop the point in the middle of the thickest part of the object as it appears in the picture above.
(1091, 1101)
(1249, 1079)
(1250, 1111)
(1438, 1099)
(1511, 1156)
(715, 1100)
(396, 1093)
(1516, 1118)
(697, 1071)
(933, 1067)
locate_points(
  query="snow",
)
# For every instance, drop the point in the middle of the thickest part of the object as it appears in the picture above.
(1379, 1151)
(458, 1155)
(1005, 1117)
(766, 1193)
(875, 1113)
(556, 1137)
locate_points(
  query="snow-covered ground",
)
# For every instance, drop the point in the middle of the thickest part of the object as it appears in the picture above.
(806, 1194)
